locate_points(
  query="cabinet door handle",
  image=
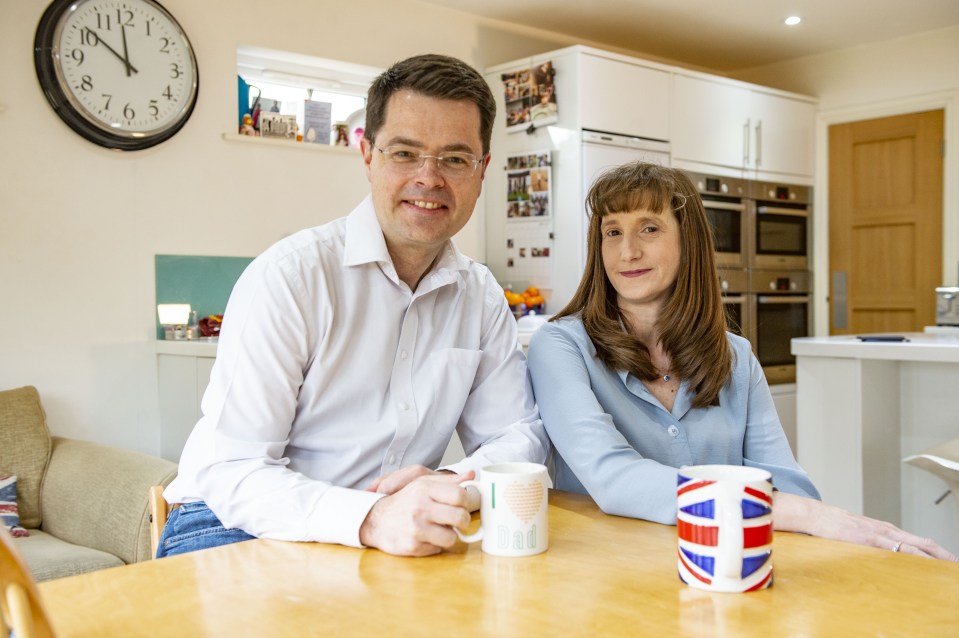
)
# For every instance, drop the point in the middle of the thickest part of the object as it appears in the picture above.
(746, 143)
(759, 143)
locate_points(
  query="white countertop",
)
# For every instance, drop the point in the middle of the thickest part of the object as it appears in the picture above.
(187, 348)
(922, 346)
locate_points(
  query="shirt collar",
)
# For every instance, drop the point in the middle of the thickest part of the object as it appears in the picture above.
(365, 244)
(364, 237)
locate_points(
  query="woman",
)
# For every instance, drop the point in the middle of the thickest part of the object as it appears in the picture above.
(637, 376)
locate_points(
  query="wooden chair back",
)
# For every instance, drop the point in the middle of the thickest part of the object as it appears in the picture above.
(159, 511)
(20, 606)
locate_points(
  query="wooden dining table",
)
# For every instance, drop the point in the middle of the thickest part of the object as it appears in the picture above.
(601, 576)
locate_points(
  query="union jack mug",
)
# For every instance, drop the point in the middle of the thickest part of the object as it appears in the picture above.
(724, 523)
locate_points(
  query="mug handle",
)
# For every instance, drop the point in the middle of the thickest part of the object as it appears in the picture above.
(478, 535)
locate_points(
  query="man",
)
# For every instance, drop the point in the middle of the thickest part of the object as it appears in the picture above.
(350, 352)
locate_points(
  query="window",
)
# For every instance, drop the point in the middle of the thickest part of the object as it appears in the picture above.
(283, 82)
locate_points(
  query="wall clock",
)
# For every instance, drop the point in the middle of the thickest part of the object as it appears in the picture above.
(121, 73)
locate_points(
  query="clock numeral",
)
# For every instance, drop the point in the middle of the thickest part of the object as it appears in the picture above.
(165, 47)
(153, 108)
(168, 94)
(88, 37)
(107, 99)
(175, 70)
(86, 83)
(148, 28)
(125, 18)
(77, 55)
(104, 21)
(128, 112)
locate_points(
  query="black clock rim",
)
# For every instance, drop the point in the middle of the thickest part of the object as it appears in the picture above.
(47, 77)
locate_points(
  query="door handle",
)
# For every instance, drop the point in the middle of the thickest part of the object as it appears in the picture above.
(839, 301)
(759, 143)
(746, 143)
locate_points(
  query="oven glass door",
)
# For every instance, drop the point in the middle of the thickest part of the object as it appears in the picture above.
(726, 221)
(734, 307)
(780, 318)
(781, 231)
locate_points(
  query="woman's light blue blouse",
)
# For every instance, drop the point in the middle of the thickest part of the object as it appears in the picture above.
(616, 442)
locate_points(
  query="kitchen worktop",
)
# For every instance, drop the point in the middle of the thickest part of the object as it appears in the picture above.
(187, 348)
(922, 346)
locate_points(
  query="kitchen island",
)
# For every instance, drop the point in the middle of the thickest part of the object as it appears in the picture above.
(864, 406)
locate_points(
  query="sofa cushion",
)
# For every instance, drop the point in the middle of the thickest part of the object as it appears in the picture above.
(49, 557)
(97, 496)
(9, 512)
(24, 448)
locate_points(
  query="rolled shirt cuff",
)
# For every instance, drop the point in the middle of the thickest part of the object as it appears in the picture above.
(341, 514)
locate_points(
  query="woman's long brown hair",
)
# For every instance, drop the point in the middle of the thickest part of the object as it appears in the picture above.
(692, 324)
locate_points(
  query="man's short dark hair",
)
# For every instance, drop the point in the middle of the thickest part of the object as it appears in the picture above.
(436, 76)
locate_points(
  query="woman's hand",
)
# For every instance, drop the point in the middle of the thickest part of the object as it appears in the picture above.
(792, 513)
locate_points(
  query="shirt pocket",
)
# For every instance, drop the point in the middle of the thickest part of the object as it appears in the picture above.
(442, 393)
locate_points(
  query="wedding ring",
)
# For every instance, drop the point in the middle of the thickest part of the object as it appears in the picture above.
(896, 547)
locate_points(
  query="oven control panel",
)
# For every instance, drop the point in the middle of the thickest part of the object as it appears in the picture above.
(780, 281)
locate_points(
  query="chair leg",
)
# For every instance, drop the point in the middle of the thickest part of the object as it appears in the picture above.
(159, 510)
(21, 614)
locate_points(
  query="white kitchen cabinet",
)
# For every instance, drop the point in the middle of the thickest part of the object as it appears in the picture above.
(183, 372)
(756, 132)
(623, 97)
(784, 398)
(709, 122)
(783, 134)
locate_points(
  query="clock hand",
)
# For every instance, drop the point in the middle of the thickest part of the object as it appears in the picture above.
(100, 40)
(126, 53)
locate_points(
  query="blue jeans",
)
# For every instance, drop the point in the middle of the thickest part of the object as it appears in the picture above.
(193, 526)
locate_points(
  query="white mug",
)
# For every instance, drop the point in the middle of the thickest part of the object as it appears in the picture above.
(724, 525)
(513, 509)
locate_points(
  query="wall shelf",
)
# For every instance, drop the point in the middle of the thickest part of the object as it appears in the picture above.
(269, 141)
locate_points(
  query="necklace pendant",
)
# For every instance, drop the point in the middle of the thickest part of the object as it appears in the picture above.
(665, 377)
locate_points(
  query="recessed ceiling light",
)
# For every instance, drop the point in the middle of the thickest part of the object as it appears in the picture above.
(793, 20)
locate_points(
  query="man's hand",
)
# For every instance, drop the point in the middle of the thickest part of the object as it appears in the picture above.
(395, 481)
(418, 519)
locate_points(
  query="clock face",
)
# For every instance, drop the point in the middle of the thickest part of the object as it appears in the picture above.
(121, 73)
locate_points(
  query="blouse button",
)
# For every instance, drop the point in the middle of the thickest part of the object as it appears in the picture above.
(673, 430)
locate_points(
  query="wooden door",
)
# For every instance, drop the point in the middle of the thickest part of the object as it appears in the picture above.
(885, 223)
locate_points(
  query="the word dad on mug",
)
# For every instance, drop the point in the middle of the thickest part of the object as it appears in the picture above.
(724, 524)
(513, 506)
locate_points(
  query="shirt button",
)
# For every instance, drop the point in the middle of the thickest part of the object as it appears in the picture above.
(404, 406)
(403, 354)
(392, 459)
(673, 430)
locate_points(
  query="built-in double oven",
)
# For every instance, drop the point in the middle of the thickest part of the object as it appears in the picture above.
(761, 235)
(780, 283)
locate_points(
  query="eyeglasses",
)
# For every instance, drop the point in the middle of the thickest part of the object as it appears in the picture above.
(452, 164)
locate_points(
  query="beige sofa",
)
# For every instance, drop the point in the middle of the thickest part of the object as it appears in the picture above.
(85, 505)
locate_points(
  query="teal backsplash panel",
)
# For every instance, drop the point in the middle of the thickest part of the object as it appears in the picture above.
(203, 282)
